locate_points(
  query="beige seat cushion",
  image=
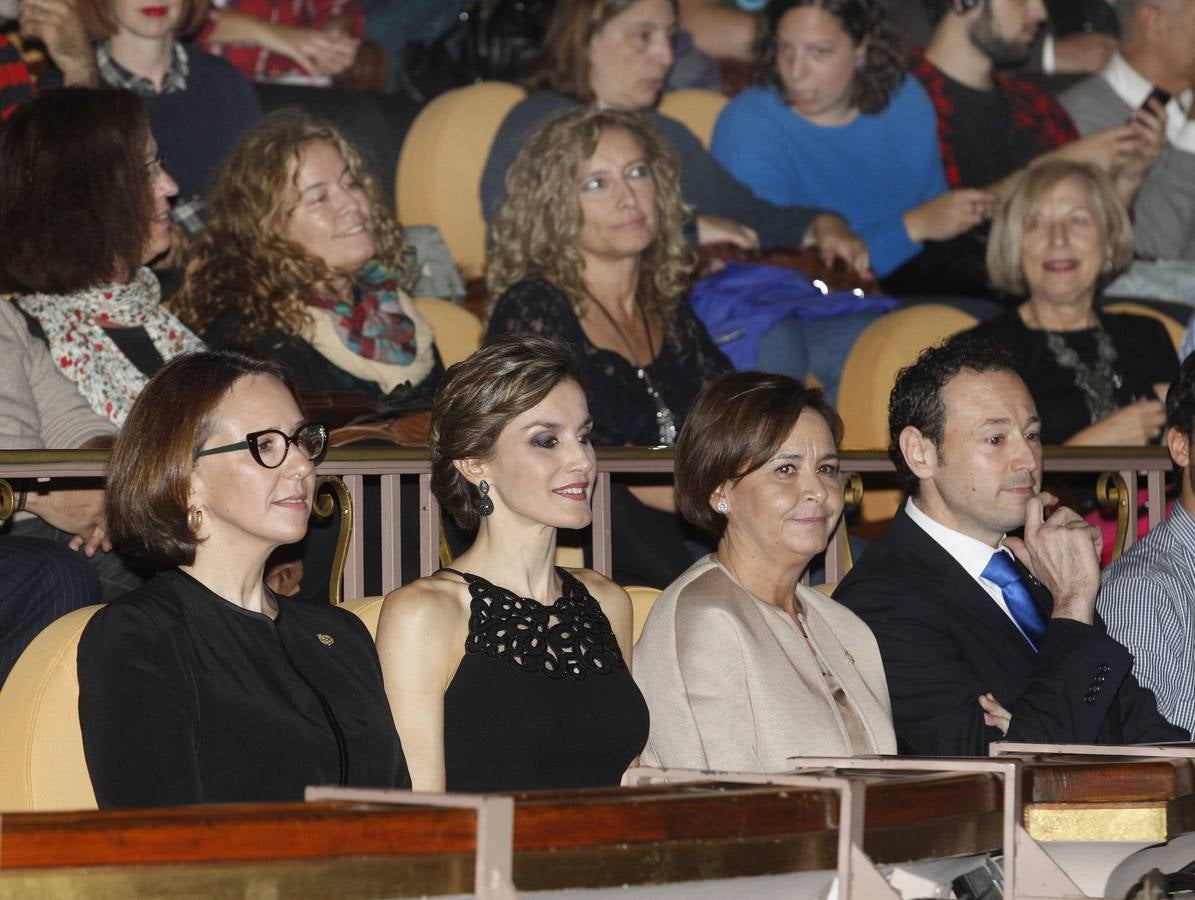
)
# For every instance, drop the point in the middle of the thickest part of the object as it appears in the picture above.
(41, 746)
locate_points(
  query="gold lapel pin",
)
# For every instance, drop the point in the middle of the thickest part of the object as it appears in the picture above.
(326, 639)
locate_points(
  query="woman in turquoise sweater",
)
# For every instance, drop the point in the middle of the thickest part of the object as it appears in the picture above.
(834, 122)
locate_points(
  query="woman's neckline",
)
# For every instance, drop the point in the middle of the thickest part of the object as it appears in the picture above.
(236, 607)
(566, 578)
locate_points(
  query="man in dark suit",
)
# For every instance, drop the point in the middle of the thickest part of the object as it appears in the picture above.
(982, 634)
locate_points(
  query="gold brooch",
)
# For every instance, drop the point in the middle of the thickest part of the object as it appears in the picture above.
(326, 639)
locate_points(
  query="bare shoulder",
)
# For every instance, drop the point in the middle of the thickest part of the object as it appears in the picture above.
(439, 602)
(601, 588)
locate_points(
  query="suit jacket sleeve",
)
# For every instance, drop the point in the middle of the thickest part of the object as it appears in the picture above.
(936, 673)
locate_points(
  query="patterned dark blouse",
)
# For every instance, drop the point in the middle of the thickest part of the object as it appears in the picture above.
(623, 413)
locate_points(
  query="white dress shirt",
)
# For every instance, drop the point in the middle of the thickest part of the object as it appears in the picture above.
(1133, 88)
(973, 555)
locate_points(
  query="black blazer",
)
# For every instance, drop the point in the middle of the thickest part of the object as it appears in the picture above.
(944, 642)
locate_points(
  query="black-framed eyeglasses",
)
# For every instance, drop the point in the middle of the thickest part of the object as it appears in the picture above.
(269, 447)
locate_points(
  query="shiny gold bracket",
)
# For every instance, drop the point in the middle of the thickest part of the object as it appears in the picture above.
(324, 506)
(8, 501)
(1113, 494)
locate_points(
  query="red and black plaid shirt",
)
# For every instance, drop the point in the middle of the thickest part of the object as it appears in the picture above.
(15, 84)
(1034, 112)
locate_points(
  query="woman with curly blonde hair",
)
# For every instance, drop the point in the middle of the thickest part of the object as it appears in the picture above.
(589, 247)
(301, 262)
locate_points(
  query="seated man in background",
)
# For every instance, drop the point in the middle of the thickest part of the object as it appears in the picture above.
(1148, 595)
(42, 578)
(975, 101)
(961, 611)
(1153, 65)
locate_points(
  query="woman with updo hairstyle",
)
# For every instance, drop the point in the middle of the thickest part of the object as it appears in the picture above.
(834, 121)
(203, 685)
(742, 666)
(506, 672)
(301, 261)
(84, 209)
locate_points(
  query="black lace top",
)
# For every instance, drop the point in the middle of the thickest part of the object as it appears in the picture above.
(542, 698)
(623, 413)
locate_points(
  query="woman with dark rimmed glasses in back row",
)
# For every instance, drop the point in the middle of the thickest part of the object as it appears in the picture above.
(203, 685)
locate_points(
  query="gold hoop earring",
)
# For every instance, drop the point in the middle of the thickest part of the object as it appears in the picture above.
(194, 519)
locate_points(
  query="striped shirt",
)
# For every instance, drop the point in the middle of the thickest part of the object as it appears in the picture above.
(1147, 600)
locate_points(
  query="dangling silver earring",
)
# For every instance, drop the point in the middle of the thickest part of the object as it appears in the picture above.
(485, 505)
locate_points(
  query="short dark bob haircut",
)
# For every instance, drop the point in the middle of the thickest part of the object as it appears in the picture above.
(98, 19)
(916, 397)
(737, 423)
(865, 23)
(563, 63)
(149, 473)
(75, 194)
(478, 397)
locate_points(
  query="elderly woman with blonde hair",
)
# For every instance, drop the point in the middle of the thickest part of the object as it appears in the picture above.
(1097, 378)
(588, 247)
(301, 261)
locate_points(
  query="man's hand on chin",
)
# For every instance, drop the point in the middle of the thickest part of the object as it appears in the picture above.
(1062, 552)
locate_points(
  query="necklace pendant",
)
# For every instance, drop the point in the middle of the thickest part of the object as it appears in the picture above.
(667, 427)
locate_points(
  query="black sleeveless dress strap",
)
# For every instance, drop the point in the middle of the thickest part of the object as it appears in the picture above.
(542, 697)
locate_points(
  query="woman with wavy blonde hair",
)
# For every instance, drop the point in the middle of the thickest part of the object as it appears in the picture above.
(588, 246)
(302, 262)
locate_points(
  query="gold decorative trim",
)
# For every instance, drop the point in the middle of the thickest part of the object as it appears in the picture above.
(1112, 494)
(8, 501)
(1148, 822)
(324, 505)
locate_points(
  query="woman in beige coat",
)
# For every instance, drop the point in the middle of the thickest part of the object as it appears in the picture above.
(741, 665)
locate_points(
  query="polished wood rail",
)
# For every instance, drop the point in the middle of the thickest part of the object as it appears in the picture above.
(1145, 467)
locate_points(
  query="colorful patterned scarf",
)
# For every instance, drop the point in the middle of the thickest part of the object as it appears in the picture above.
(373, 324)
(87, 355)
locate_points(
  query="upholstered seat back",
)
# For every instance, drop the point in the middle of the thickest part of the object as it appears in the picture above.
(41, 746)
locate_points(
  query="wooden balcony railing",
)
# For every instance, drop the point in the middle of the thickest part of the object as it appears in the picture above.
(1145, 467)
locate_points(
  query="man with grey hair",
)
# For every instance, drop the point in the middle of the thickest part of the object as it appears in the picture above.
(1152, 69)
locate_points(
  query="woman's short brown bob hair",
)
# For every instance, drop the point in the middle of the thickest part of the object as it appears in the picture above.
(149, 474)
(75, 195)
(1008, 228)
(478, 397)
(100, 23)
(737, 423)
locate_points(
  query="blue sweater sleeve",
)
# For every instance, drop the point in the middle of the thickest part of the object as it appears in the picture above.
(788, 160)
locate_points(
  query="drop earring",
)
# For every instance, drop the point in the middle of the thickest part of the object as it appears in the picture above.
(485, 506)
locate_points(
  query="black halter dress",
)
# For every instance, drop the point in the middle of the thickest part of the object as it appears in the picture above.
(542, 698)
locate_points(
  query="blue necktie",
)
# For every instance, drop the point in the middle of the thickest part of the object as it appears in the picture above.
(1025, 612)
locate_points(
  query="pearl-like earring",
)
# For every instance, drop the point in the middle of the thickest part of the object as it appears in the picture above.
(722, 506)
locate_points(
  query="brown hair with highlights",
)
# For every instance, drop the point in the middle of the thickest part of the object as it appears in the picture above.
(149, 472)
(737, 423)
(535, 229)
(478, 397)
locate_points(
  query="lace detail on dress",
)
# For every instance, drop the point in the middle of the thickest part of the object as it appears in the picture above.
(520, 630)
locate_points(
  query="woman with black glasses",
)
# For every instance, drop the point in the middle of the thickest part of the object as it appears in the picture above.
(203, 685)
